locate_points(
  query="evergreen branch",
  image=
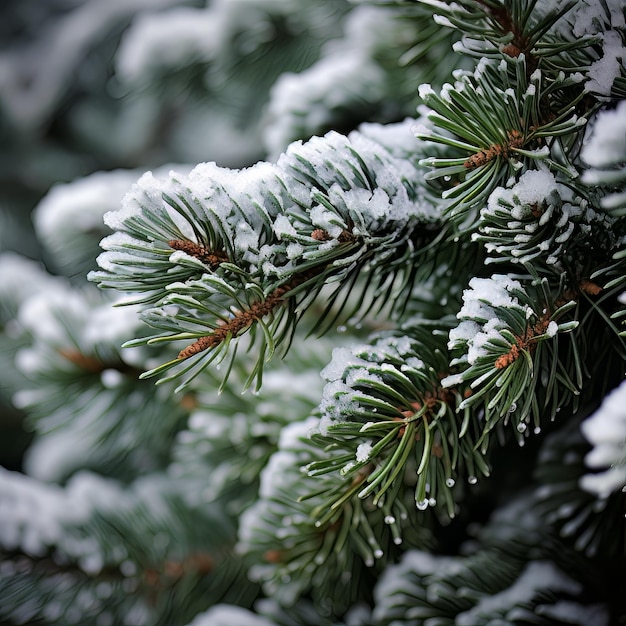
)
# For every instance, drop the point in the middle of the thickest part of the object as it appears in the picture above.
(232, 435)
(342, 507)
(499, 141)
(496, 29)
(607, 163)
(328, 211)
(212, 259)
(72, 365)
(241, 320)
(385, 51)
(584, 505)
(515, 140)
(103, 534)
(541, 222)
(212, 211)
(57, 588)
(507, 336)
(508, 579)
(299, 554)
(386, 416)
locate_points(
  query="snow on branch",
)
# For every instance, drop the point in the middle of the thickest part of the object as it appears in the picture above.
(606, 431)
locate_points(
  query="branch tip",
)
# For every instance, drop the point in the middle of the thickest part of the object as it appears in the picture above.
(211, 258)
(243, 319)
(515, 140)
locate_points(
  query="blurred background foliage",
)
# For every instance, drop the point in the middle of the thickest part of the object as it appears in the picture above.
(94, 93)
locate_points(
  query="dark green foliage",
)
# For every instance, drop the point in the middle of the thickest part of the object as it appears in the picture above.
(459, 457)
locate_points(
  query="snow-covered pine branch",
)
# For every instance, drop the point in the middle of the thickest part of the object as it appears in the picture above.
(220, 251)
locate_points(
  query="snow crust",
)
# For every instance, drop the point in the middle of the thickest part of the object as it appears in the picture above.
(398, 138)
(352, 367)
(363, 451)
(603, 72)
(607, 144)
(534, 186)
(606, 431)
(71, 210)
(191, 34)
(265, 214)
(343, 357)
(480, 324)
(604, 19)
(34, 516)
(277, 475)
(228, 615)
(536, 577)
(591, 17)
(299, 101)
(346, 75)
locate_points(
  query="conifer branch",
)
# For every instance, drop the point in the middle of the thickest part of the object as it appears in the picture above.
(515, 140)
(319, 234)
(172, 571)
(516, 160)
(246, 318)
(490, 342)
(362, 214)
(353, 534)
(382, 420)
(83, 361)
(525, 342)
(212, 259)
(95, 365)
(502, 15)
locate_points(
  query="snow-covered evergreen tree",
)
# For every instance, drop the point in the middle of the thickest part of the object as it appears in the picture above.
(364, 364)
